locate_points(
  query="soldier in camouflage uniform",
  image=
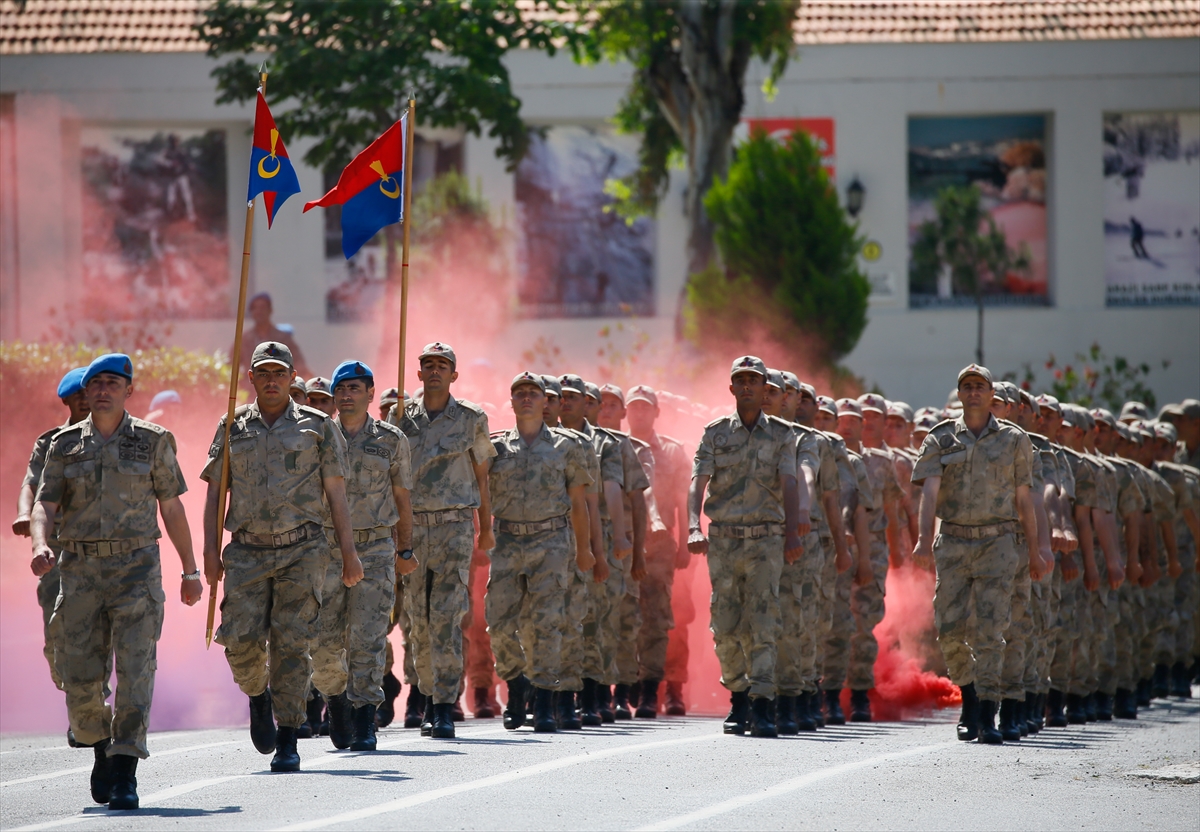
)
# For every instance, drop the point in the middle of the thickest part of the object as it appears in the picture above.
(73, 397)
(976, 474)
(319, 394)
(450, 451)
(538, 481)
(286, 468)
(351, 647)
(746, 462)
(110, 474)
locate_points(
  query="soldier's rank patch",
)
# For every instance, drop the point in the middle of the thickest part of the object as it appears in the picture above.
(719, 440)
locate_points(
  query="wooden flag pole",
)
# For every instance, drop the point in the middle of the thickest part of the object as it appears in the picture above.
(407, 224)
(235, 370)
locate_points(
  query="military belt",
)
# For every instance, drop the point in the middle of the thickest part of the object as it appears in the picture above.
(741, 532)
(509, 527)
(365, 536)
(442, 518)
(278, 541)
(106, 548)
(980, 532)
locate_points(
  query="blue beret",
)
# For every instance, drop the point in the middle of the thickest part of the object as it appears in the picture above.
(348, 370)
(117, 363)
(72, 382)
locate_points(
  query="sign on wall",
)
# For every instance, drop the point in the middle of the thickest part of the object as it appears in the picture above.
(155, 221)
(1152, 209)
(820, 130)
(1004, 159)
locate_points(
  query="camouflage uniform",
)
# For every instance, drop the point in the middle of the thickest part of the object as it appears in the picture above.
(351, 645)
(1161, 615)
(1180, 478)
(444, 499)
(1018, 637)
(47, 588)
(276, 561)
(1071, 649)
(866, 601)
(526, 598)
(625, 618)
(111, 597)
(975, 552)
(1042, 602)
(746, 539)
(1130, 608)
(579, 638)
(1100, 650)
(670, 482)
(856, 490)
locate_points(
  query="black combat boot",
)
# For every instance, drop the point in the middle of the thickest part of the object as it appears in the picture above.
(1104, 707)
(1009, 729)
(675, 706)
(860, 706)
(635, 695)
(621, 702)
(441, 724)
(589, 715)
(427, 719)
(543, 711)
(363, 720)
(968, 721)
(122, 793)
(1143, 693)
(988, 734)
(483, 707)
(1161, 687)
(286, 758)
(456, 710)
(262, 722)
(1022, 721)
(739, 713)
(312, 723)
(1033, 722)
(568, 720)
(101, 782)
(816, 707)
(514, 709)
(1076, 715)
(648, 703)
(414, 708)
(323, 726)
(785, 714)
(1089, 707)
(1125, 706)
(1054, 708)
(604, 703)
(762, 718)
(804, 712)
(341, 727)
(1181, 686)
(833, 703)
(386, 712)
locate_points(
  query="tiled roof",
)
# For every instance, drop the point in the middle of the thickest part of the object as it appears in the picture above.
(71, 26)
(947, 21)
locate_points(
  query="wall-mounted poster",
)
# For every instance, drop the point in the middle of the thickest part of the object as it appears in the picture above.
(576, 259)
(820, 130)
(1003, 160)
(155, 221)
(1152, 209)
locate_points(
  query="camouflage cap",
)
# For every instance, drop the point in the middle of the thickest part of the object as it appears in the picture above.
(805, 387)
(390, 396)
(925, 421)
(748, 364)
(775, 379)
(952, 400)
(901, 409)
(1123, 430)
(318, 386)
(1099, 414)
(642, 393)
(348, 370)
(872, 402)
(1027, 399)
(827, 404)
(528, 378)
(440, 350)
(117, 363)
(592, 390)
(1170, 411)
(614, 390)
(849, 407)
(553, 388)
(975, 370)
(1190, 408)
(272, 352)
(1142, 429)
(1135, 410)
(791, 380)
(298, 384)
(570, 381)
(1049, 402)
(72, 382)
(935, 412)
(1166, 432)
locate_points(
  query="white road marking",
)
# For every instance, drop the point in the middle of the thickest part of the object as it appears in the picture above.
(51, 775)
(488, 782)
(779, 789)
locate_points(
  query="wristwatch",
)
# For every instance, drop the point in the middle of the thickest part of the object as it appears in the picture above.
(407, 554)
(191, 576)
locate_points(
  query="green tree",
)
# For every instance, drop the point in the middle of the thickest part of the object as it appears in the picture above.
(1095, 380)
(686, 96)
(788, 248)
(965, 239)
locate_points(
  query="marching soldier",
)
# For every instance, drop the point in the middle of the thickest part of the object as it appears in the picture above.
(319, 394)
(110, 474)
(351, 646)
(286, 468)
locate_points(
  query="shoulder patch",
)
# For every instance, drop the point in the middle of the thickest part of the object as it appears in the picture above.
(241, 410)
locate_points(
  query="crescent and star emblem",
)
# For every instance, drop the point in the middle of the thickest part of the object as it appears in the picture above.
(377, 166)
(262, 163)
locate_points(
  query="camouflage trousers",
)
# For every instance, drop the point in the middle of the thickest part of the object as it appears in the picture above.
(657, 618)
(47, 596)
(827, 592)
(269, 618)
(477, 644)
(867, 606)
(601, 621)
(1018, 638)
(745, 610)
(1187, 599)
(683, 613)
(971, 607)
(526, 604)
(1067, 633)
(1164, 618)
(1127, 634)
(437, 600)
(408, 665)
(1042, 603)
(577, 610)
(629, 624)
(799, 611)
(1102, 654)
(835, 662)
(110, 608)
(351, 645)
(1075, 646)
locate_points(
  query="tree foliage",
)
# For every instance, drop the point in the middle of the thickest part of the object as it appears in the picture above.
(788, 248)
(1094, 380)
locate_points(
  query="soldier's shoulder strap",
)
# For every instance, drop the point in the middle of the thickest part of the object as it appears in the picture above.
(715, 422)
(388, 427)
(638, 443)
(471, 406)
(149, 427)
(312, 411)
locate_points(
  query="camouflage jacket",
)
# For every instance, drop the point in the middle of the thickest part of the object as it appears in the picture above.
(530, 482)
(747, 468)
(671, 476)
(881, 466)
(444, 451)
(609, 466)
(377, 460)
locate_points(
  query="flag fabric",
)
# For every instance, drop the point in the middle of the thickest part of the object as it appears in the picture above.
(370, 190)
(271, 171)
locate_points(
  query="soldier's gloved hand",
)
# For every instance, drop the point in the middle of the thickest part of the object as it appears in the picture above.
(697, 543)
(190, 592)
(21, 527)
(43, 560)
(352, 570)
(1091, 578)
(214, 568)
(793, 548)
(1070, 570)
(600, 571)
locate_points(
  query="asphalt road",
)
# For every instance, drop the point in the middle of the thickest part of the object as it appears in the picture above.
(667, 774)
